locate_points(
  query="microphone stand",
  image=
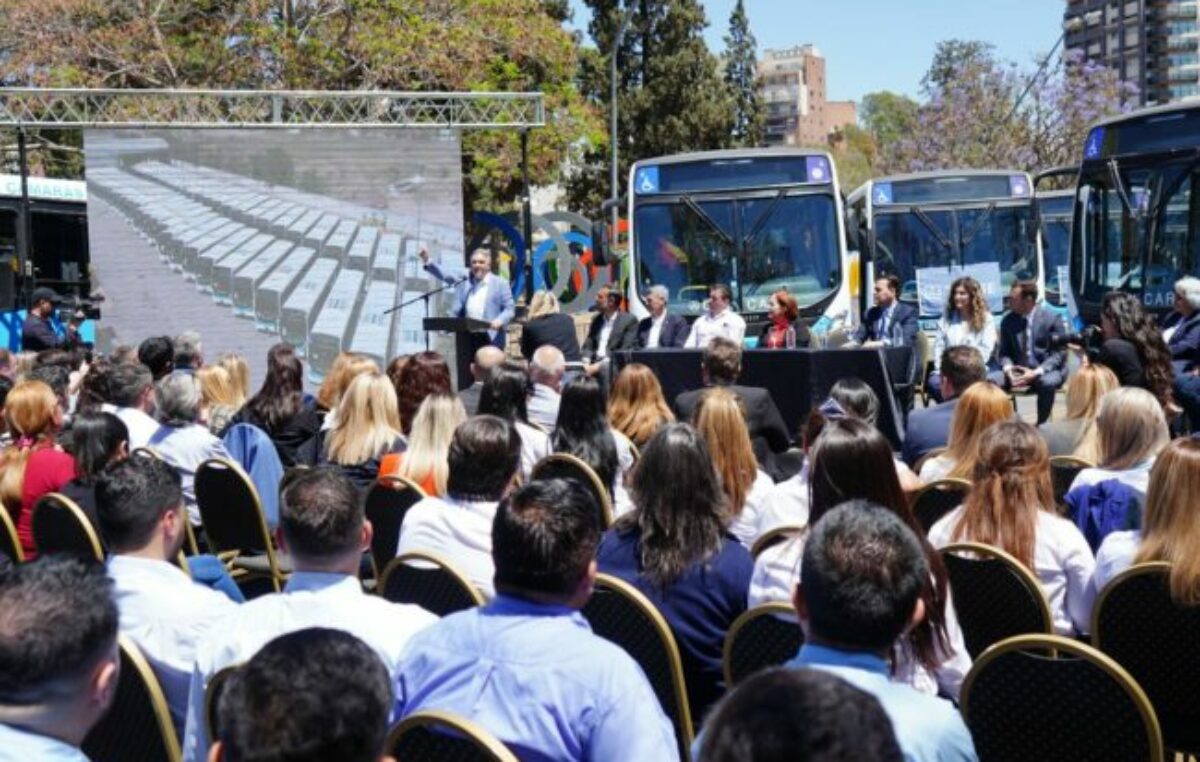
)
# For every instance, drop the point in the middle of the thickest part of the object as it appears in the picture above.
(425, 298)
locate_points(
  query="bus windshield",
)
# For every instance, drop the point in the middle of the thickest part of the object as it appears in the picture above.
(757, 244)
(1054, 216)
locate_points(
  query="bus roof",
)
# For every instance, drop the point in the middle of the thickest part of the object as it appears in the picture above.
(732, 153)
(946, 186)
(942, 173)
(731, 170)
(1161, 130)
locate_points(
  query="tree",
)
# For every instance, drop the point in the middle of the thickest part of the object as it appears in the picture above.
(740, 64)
(952, 58)
(888, 117)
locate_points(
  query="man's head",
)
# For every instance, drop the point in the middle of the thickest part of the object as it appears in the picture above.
(57, 377)
(42, 301)
(861, 578)
(188, 351)
(481, 264)
(722, 361)
(961, 367)
(158, 354)
(608, 300)
(887, 288)
(544, 540)
(308, 696)
(139, 503)
(719, 298)
(656, 298)
(132, 385)
(548, 366)
(1023, 296)
(483, 459)
(178, 398)
(322, 524)
(486, 358)
(58, 646)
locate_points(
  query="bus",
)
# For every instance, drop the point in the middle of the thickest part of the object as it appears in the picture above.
(339, 241)
(930, 227)
(387, 258)
(410, 328)
(319, 233)
(254, 272)
(1055, 209)
(362, 249)
(301, 305)
(220, 282)
(373, 329)
(192, 261)
(331, 330)
(758, 220)
(1136, 226)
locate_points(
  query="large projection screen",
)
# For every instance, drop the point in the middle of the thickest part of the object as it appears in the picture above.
(255, 236)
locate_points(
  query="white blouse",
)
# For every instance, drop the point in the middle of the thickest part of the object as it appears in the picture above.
(956, 332)
(745, 525)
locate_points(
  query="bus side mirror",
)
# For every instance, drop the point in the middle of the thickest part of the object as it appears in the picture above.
(599, 243)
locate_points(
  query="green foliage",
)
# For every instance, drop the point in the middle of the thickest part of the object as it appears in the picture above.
(740, 63)
(887, 116)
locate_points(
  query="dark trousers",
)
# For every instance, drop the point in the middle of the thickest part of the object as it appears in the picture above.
(1187, 394)
(1045, 387)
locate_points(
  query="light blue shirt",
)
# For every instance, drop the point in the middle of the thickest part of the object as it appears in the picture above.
(184, 448)
(928, 729)
(537, 678)
(17, 745)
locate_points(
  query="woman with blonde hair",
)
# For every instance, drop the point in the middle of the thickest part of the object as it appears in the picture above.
(981, 405)
(239, 374)
(546, 325)
(1011, 507)
(1131, 430)
(425, 461)
(1170, 525)
(220, 397)
(965, 322)
(33, 464)
(722, 424)
(367, 428)
(1076, 434)
(346, 367)
(636, 406)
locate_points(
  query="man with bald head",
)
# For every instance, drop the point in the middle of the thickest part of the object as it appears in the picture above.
(486, 358)
(546, 371)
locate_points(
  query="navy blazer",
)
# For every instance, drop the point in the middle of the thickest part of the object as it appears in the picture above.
(623, 336)
(1047, 325)
(928, 429)
(1185, 342)
(674, 331)
(901, 332)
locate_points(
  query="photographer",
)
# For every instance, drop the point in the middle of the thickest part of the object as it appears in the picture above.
(38, 334)
(1132, 347)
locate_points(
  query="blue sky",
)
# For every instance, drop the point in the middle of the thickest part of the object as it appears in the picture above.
(874, 45)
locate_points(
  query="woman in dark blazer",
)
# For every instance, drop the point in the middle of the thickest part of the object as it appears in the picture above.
(1133, 347)
(546, 325)
(783, 316)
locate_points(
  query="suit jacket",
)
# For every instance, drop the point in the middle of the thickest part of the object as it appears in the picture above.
(768, 433)
(1185, 342)
(499, 304)
(928, 429)
(674, 331)
(557, 330)
(623, 336)
(901, 331)
(1047, 325)
(470, 397)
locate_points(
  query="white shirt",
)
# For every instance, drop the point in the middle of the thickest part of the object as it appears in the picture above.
(477, 300)
(19, 745)
(606, 329)
(746, 524)
(727, 324)
(542, 406)
(1062, 562)
(167, 615)
(141, 426)
(937, 467)
(535, 445)
(1136, 478)
(460, 532)
(1115, 555)
(184, 449)
(785, 503)
(656, 325)
(310, 600)
(956, 332)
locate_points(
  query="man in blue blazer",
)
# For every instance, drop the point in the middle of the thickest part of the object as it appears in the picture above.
(1184, 344)
(672, 330)
(929, 428)
(1027, 354)
(890, 323)
(482, 295)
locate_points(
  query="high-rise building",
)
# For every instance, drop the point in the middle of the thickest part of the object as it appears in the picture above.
(791, 83)
(1149, 43)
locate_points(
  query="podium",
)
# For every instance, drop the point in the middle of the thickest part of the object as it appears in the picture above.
(464, 329)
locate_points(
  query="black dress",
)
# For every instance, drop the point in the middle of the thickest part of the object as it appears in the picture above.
(555, 329)
(1122, 358)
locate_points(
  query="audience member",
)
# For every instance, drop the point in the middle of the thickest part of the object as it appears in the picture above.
(485, 359)
(346, 367)
(239, 372)
(784, 715)
(158, 354)
(1028, 356)
(611, 330)
(58, 378)
(582, 430)
(132, 392)
(124, 353)
(1134, 347)
(424, 462)
(142, 518)
(784, 328)
(483, 459)
(929, 429)
(308, 696)
(966, 322)
(526, 666)
(279, 407)
(95, 388)
(189, 353)
(96, 440)
(6, 362)
(981, 405)
(545, 392)
(182, 440)
(636, 406)
(34, 464)
(425, 373)
(720, 321)
(6, 386)
(675, 548)
(1182, 334)
(890, 322)
(324, 532)
(661, 328)
(219, 397)
(59, 664)
(1076, 433)
(861, 585)
(857, 399)
(504, 395)
(787, 503)
(719, 420)
(367, 429)
(546, 326)
(1011, 506)
(1131, 430)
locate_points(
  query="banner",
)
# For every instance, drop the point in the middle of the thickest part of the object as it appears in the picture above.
(933, 286)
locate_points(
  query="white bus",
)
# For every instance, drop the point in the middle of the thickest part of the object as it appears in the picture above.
(373, 330)
(273, 292)
(331, 330)
(301, 306)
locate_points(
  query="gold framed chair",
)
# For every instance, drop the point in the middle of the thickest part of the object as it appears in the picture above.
(10, 543)
(433, 735)
(61, 526)
(145, 452)
(1050, 697)
(773, 537)
(924, 350)
(921, 461)
(386, 503)
(1063, 470)
(137, 727)
(212, 695)
(765, 636)
(235, 525)
(617, 611)
(936, 499)
(635, 452)
(429, 581)
(561, 465)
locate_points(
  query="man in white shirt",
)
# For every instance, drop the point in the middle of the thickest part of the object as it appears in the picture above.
(662, 328)
(546, 372)
(131, 389)
(139, 504)
(323, 530)
(484, 456)
(720, 320)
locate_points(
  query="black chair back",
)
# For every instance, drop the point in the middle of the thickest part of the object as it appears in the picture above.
(61, 526)
(10, 543)
(429, 581)
(562, 465)
(386, 503)
(443, 737)
(1049, 697)
(230, 511)
(137, 727)
(1063, 470)
(765, 636)
(995, 596)
(1136, 622)
(617, 611)
(936, 499)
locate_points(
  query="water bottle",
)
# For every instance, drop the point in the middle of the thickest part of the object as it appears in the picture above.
(789, 337)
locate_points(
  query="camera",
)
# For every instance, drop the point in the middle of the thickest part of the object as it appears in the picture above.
(78, 309)
(1088, 338)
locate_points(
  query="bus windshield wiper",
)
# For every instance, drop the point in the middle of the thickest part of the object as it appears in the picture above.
(761, 222)
(703, 215)
(978, 226)
(1114, 173)
(933, 228)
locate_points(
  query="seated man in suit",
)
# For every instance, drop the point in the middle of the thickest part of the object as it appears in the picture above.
(890, 323)
(720, 366)
(482, 295)
(486, 358)
(662, 328)
(929, 428)
(1026, 355)
(611, 330)
(1181, 329)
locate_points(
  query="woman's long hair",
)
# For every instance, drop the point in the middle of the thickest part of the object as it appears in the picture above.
(977, 308)
(981, 405)
(96, 439)
(281, 397)
(1011, 485)
(582, 428)
(31, 411)
(851, 460)
(239, 374)
(217, 387)
(1132, 428)
(856, 398)
(424, 374)
(1135, 326)
(543, 303)
(1171, 523)
(368, 423)
(346, 367)
(95, 389)
(721, 422)
(636, 406)
(429, 443)
(1088, 384)
(679, 508)
(503, 394)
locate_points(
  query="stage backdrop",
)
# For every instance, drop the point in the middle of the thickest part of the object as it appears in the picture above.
(250, 236)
